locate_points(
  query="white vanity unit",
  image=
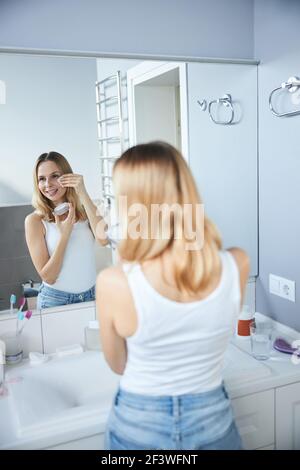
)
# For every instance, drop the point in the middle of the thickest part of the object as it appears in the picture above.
(268, 409)
(64, 402)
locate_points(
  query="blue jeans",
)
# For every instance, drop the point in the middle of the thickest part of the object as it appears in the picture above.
(49, 297)
(202, 421)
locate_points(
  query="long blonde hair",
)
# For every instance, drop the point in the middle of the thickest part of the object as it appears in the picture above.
(44, 206)
(156, 173)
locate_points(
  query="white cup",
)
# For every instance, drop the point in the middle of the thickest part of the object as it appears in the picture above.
(261, 340)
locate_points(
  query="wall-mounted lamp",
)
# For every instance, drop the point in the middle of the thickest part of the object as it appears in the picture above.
(2, 92)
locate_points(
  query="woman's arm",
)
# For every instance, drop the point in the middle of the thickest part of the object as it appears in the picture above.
(243, 263)
(47, 267)
(109, 305)
(97, 222)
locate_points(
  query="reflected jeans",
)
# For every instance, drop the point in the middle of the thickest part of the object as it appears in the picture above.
(49, 297)
(202, 421)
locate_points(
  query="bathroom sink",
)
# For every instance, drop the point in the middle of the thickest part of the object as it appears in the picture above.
(76, 392)
(62, 393)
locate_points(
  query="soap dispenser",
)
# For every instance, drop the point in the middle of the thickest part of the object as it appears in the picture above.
(92, 336)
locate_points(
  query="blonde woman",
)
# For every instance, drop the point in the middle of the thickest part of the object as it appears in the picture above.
(62, 246)
(167, 330)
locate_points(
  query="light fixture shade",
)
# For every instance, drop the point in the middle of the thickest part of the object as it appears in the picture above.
(2, 92)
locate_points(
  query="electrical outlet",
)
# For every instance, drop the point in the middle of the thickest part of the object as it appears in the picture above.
(282, 287)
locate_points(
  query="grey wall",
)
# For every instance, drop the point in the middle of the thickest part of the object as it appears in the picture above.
(277, 39)
(214, 28)
(15, 263)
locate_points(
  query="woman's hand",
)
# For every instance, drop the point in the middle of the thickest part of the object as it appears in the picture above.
(71, 180)
(66, 226)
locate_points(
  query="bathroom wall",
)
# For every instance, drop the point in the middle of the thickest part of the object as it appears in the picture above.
(185, 27)
(199, 28)
(50, 105)
(277, 39)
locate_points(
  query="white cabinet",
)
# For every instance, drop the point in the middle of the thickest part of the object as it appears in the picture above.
(223, 158)
(254, 416)
(271, 447)
(95, 442)
(288, 417)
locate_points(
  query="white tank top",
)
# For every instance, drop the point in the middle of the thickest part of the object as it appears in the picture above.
(178, 348)
(78, 271)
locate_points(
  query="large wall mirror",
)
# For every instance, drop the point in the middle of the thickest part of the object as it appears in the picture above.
(90, 109)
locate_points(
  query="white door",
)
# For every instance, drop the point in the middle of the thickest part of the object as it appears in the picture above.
(157, 103)
(254, 416)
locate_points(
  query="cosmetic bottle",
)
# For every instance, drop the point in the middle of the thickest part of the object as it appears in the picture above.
(245, 319)
(92, 336)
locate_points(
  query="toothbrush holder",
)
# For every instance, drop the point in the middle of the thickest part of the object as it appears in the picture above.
(14, 347)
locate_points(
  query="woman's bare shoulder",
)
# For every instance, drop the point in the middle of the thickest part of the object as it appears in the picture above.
(239, 254)
(34, 220)
(113, 276)
(33, 217)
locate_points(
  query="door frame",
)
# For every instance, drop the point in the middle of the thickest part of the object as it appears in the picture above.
(146, 71)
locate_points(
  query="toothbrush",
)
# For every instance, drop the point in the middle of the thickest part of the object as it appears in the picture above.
(20, 314)
(27, 316)
(13, 300)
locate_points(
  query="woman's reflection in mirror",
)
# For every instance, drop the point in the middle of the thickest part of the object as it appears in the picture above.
(62, 247)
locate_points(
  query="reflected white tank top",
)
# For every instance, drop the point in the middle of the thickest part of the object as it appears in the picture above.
(78, 271)
(178, 348)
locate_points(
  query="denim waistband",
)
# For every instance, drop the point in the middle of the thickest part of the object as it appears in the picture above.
(171, 403)
(67, 296)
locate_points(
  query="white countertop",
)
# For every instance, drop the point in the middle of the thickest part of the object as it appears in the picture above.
(280, 371)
